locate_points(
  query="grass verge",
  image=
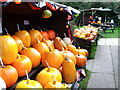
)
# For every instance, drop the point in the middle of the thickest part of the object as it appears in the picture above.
(84, 82)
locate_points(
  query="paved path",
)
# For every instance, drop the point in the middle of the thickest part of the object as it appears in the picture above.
(104, 67)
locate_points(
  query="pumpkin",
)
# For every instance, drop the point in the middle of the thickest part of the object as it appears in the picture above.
(2, 83)
(44, 34)
(84, 50)
(21, 64)
(49, 43)
(60, 69)
(51, 34)
(81, 51)
(73, 49)
(18, 41)
(59, 44)
(54, 84)
(67, 41)
(69, 55)
(41, 47)
(53, 57)
(8, 48)
(81, 60)
(24, 36)
(33, 34)
(29, 84)
(33, 55)
(9, 75)
(68, 70)
(46, 74)
(47, 14)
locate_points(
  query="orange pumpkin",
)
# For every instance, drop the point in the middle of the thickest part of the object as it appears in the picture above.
(21, 64)
(8, 48)
(59, 44)
(33, 55)
(70, 55)
(25, 37)
(71, 48)
(49, 43)
(51, 34)
(9, 75)
(81, 60)
(41, 47)
(68, 70)
(53, 57)
(45, 35)
(18, 41)
(33, 34)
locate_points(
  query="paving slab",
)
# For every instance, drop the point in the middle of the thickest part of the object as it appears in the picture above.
(101, 41)
(89, 64)
(103, 61)
(115, 41)
(99, 80)
(114, 54)
(108, 41)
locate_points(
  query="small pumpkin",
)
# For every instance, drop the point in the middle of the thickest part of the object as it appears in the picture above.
(18, 41)
(21, 64)
(47, 14)
(68, 70)
(33, 34)
(46, 74)
(8, 48)
(54, 84)
(59, 44)
(45, 34)
(51, 34)
(33, 55)
(24, 36)
(81, 60)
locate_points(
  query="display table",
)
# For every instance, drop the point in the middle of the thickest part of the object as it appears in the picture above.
(87, 44)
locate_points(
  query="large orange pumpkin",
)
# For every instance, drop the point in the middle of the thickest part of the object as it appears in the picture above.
(46, 74)
(21, 64)
(25, 37)
(70, 55)
(68, 70)
(53, 57)
(8, 49)
(51, 34)
(33, 55)
(59, 44)
(33, 34)
(9, 74)
(18, 41)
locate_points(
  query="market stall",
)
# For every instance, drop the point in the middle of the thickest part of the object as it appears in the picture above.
(37, 45)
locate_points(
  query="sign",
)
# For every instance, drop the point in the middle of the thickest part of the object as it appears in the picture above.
(118, 16)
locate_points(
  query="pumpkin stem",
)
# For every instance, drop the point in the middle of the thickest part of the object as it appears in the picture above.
(2, 63)
(18, 27)
(78, 48)
(65, 35)
(49, 46)
(23, 46)
(63, 49)
(37, 38)
(6, 31)
(54, 82)
(71, 41)
(18, 56)
(66, 58)
(47, 66)
(27, 76)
